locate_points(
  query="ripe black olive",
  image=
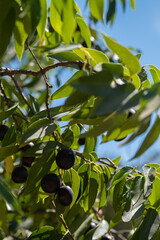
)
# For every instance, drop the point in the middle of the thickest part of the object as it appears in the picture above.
(27, 161)
(50, 183)
(65, 195)
(81, 141)
(19, 174)
(65, 158)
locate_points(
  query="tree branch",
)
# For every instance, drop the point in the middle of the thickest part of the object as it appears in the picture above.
(10, 72)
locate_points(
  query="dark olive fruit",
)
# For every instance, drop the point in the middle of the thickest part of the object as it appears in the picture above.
(81, 141)
(19, 174)
(65, 158)
(26, 147)
(27, 161)
(3, 130)
(50, 183)
(65, 195)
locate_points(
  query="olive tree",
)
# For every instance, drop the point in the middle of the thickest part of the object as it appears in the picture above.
(61, 89)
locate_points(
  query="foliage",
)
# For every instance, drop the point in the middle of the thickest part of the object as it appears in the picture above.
(53, 38)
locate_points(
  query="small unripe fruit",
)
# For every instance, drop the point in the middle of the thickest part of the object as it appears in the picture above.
(50, 183)
(81, 141)
(27, 161)
(65, 158)
(19, 174)
(65, 195)
(3, 130)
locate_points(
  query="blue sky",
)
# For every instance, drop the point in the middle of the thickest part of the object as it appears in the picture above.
(139, 29)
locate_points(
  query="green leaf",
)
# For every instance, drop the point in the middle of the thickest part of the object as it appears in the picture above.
(84, 30)
(75, 185)
(3, 216)
(94, 56)
(149, 139)
(144, 229)
(111, 11)
(93, 188)
(9, 198)
(114, 96)
(35, 11)
(42, 23)
(132, 4)
(8, 112)
(136, 81)
(97, 8)
(41, 148)
(69, 23)
(115, 68)
(56, 8)
(39, 129)
(97, 84)
(6, 27)
(20, 36)
(8, 151)
(76, 98)
(118, 175)
(45, 233)
(127, 57)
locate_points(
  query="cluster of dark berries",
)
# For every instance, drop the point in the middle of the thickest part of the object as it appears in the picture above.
(51, 183)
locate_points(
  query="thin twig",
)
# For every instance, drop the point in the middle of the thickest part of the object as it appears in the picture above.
(62, 220)
(109, 160)
(10, 72)
(21, 93)
(3, 92)
(46, 83)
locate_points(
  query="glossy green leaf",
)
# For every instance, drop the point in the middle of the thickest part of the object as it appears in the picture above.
(9, 198)
(136, 81)
(97, 84)
(3, 216)
(111, 11)
(118, 199)
(35, 11)
(8, 151)
(69, 23)
(39, 129)
(144, 228)
(56, 8)
(132, 4)
(84, 30)
(20, 36)
(42, 23)
(127, 57)
(113, 99)
(94, 56)
(45, 233)
(6, 26)
(8, 112)
(97, 8)
(75, 185)
(149, 139)
(118, 175)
